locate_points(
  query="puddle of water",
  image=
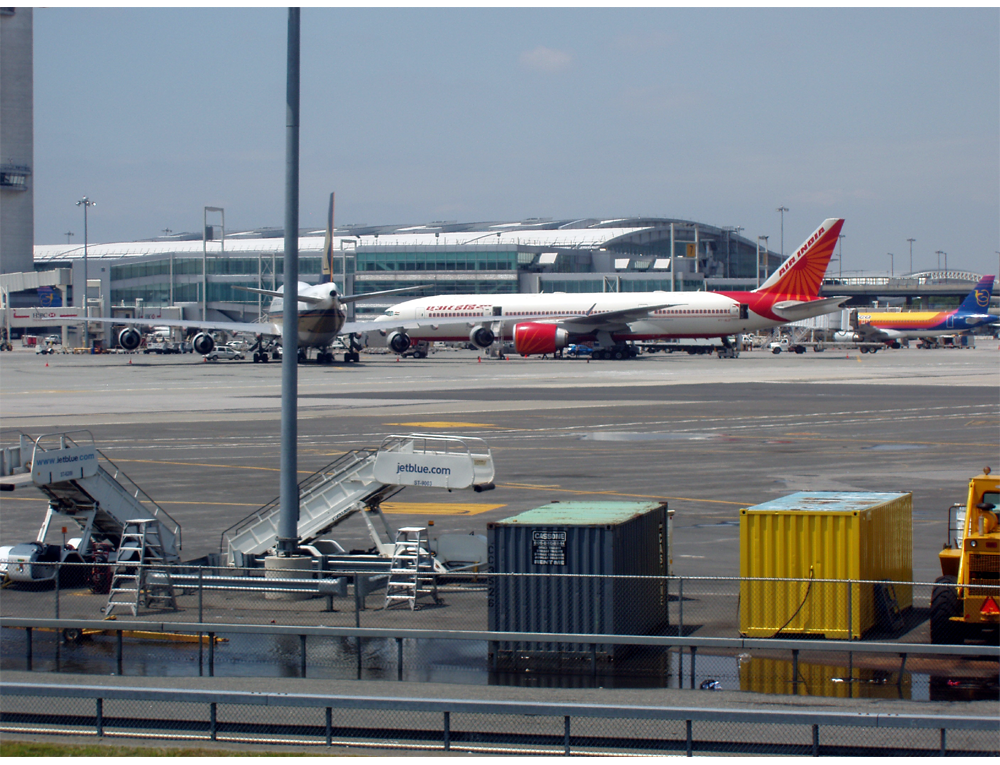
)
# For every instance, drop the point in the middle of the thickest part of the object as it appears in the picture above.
(602, 436)
(466, 663)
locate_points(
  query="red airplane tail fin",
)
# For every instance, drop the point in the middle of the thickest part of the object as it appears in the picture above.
(801, 276)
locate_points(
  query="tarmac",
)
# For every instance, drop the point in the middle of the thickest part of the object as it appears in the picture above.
(709, 436)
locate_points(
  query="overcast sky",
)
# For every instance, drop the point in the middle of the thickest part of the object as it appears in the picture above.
(889, 118)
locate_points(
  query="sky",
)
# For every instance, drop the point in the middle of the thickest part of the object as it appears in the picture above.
(888, 117)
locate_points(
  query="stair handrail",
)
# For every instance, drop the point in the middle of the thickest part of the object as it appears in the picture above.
(343, 465)
(141, 496)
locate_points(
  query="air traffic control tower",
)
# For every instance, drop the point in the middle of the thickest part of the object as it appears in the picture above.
(17, 208)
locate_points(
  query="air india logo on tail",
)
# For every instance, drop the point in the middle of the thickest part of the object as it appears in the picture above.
(801, 276)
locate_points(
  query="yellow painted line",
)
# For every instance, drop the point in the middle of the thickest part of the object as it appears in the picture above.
(203, 464)
(440, 425)
(656, 497)
(432, 508)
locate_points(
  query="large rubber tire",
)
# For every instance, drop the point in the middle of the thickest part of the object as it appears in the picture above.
(944, 605)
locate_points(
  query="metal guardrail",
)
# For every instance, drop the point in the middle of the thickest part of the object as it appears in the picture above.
(596, 739)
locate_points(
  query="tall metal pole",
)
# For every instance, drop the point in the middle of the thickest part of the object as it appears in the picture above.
(840, 257)
(782, 210)
(288, 526)
(673, 259)
(86, 202)
(911, 241)
(892, 265)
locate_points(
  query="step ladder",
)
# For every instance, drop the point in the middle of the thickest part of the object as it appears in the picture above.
(140, 574)
(411, 574)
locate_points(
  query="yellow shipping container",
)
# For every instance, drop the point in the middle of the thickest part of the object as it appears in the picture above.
(808, 537)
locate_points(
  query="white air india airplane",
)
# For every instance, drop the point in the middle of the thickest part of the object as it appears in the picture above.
(546, 323)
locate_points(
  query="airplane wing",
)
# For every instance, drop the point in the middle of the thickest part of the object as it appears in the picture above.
(352, 298)
(274, 293)
(314, 300)
(258, 328)
(623, 316)
(582, 322)
(794, 310)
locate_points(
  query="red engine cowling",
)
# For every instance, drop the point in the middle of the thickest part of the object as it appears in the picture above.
(534, 337)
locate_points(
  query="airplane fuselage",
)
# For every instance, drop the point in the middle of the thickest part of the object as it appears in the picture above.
(320, 318)
(917, 324)
(687, 314)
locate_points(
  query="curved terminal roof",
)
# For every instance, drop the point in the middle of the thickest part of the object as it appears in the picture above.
(587, 234)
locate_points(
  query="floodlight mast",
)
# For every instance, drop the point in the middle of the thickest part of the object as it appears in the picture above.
(86, 202)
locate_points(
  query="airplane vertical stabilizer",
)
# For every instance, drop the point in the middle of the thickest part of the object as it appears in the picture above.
(801, 276)
(328, 245)
(978, 301)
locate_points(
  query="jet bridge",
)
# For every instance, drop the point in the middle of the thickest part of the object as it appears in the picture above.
(84, 485)
(360, 481)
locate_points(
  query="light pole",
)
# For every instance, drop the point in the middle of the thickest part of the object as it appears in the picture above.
(764, 237)
(911, 241)
(86, 202)
(892, 265)
(840, 257)
(782, 210)
(204, 255)
(729, 248)
(939, 253)
(69, 235)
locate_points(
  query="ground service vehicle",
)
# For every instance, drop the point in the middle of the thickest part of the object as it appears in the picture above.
(223, 352)
(970, 557)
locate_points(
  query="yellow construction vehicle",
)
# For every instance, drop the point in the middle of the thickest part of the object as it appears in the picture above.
(965, 602)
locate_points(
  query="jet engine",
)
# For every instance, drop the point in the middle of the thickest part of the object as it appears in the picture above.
(203, 343)
(534, 337)
(129, 338)
(398, 342)
(482, 337)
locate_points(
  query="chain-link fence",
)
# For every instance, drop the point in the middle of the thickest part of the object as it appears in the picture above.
(800, 637)
(482, 726)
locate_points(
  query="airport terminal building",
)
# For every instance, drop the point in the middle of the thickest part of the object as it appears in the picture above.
(196, 273)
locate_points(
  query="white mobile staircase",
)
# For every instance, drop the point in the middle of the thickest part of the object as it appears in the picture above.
(361, 480)
(83, 484)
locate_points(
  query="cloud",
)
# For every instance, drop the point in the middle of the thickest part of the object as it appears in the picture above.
(543, 59)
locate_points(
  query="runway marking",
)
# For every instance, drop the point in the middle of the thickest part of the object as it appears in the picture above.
(658, 497)
(440, 425)
(433, 508)
(208, 504)
(205, 464)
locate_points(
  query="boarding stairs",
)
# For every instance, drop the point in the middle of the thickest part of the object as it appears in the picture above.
(140, 575)
(80, 482)
(411, 574)
(360, 481)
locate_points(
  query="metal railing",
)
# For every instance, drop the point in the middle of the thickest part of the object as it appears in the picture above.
(521, 727)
